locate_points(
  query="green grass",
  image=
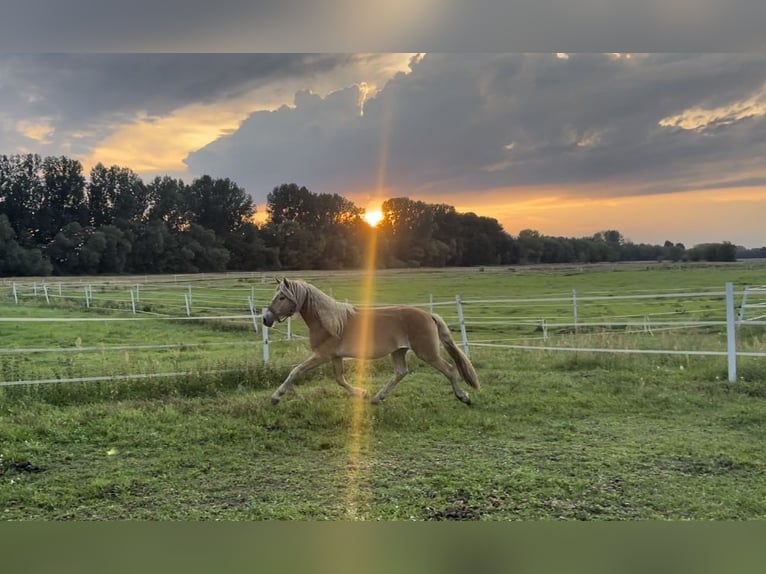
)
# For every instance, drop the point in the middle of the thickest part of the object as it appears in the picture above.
(551, 435)
(577, 440)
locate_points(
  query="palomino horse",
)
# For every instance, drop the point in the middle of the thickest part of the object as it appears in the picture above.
(337, 330)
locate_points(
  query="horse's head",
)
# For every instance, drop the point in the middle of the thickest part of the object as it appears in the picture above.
(283, 304)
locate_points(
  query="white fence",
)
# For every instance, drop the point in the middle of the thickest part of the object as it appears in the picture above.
(468, 316)
(647, 324)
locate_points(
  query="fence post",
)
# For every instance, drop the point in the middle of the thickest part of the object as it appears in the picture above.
(15, 294)
(731, 332)
(138, 292)
(188, 304)
(290, 328)
(265, 335)
(253, 314)
(545, 330)
(574, 307)
(431, 303)
(647, 325)
(461, 320)
(87, 297)
(742, 306)
(133, 301)
(45, 290)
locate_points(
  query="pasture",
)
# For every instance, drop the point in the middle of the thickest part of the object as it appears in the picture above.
(552, 435)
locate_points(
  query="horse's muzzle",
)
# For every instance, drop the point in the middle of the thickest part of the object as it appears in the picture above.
(268, 318)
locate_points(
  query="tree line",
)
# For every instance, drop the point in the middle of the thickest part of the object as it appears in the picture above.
(54, 220)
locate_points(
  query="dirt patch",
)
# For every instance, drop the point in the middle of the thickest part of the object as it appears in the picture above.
(20, 466)
(463, 506)
(696, 467)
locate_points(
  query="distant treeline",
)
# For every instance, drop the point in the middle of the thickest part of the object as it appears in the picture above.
(54, 220)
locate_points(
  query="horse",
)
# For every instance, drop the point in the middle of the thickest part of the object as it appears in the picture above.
(340, 330)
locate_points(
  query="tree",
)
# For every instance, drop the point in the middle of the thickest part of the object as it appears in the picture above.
(725, 251)
(295, 246)
(219, 205)
(21, 195)
(63, 196)
(116, 196)
(674, 252)
(167, 201)
(248, 250)
(77, 250)
(154, 249)
(117, 246)
(557, 250)
(225, 209)
(207, 251)
(410, 226)
(15, 259)
(530, 246)
(312, 231)
(288, 202)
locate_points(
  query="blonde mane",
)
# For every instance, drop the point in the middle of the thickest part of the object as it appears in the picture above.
(331, 314)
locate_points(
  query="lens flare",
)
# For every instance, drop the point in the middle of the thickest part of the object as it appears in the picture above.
(361, 426)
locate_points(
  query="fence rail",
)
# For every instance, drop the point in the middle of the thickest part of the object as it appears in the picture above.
(468, 316)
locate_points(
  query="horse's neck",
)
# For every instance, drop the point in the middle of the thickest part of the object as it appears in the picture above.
(309, 310)
(317, 302)
(317, 333)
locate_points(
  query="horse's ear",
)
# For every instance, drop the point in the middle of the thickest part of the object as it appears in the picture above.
(285, 282)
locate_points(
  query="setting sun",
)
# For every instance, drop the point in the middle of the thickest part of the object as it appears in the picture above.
(373, 217)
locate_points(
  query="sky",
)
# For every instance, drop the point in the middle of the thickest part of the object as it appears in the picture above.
(658, 145)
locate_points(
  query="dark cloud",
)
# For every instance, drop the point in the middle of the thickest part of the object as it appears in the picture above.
(84, 87)
(480, 122)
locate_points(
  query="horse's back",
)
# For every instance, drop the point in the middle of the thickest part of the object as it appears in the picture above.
(378, 331)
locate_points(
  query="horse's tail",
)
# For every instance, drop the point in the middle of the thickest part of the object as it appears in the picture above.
(463, 364)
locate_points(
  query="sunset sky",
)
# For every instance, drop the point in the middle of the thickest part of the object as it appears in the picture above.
(658, 146)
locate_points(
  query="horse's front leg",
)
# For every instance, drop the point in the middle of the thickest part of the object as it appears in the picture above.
(337, 364)
(311, 363)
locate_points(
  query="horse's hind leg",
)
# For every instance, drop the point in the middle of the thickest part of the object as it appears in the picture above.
(337, 364)
(449, 371)
(400, 371)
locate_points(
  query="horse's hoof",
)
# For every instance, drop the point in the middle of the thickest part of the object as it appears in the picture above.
(275, 400)
(376, 400)
(465, 399)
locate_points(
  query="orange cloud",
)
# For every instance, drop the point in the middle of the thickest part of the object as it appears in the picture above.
(160, 144)
(698, 117)
(39, 131)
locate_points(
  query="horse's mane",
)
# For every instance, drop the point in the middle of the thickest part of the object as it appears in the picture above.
(332, 314)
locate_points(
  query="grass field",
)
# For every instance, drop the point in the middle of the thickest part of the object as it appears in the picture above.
(552, 435)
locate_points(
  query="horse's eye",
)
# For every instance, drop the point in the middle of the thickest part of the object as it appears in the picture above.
(281, 298)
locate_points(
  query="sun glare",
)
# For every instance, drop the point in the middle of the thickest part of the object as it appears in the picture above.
(373, 217)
